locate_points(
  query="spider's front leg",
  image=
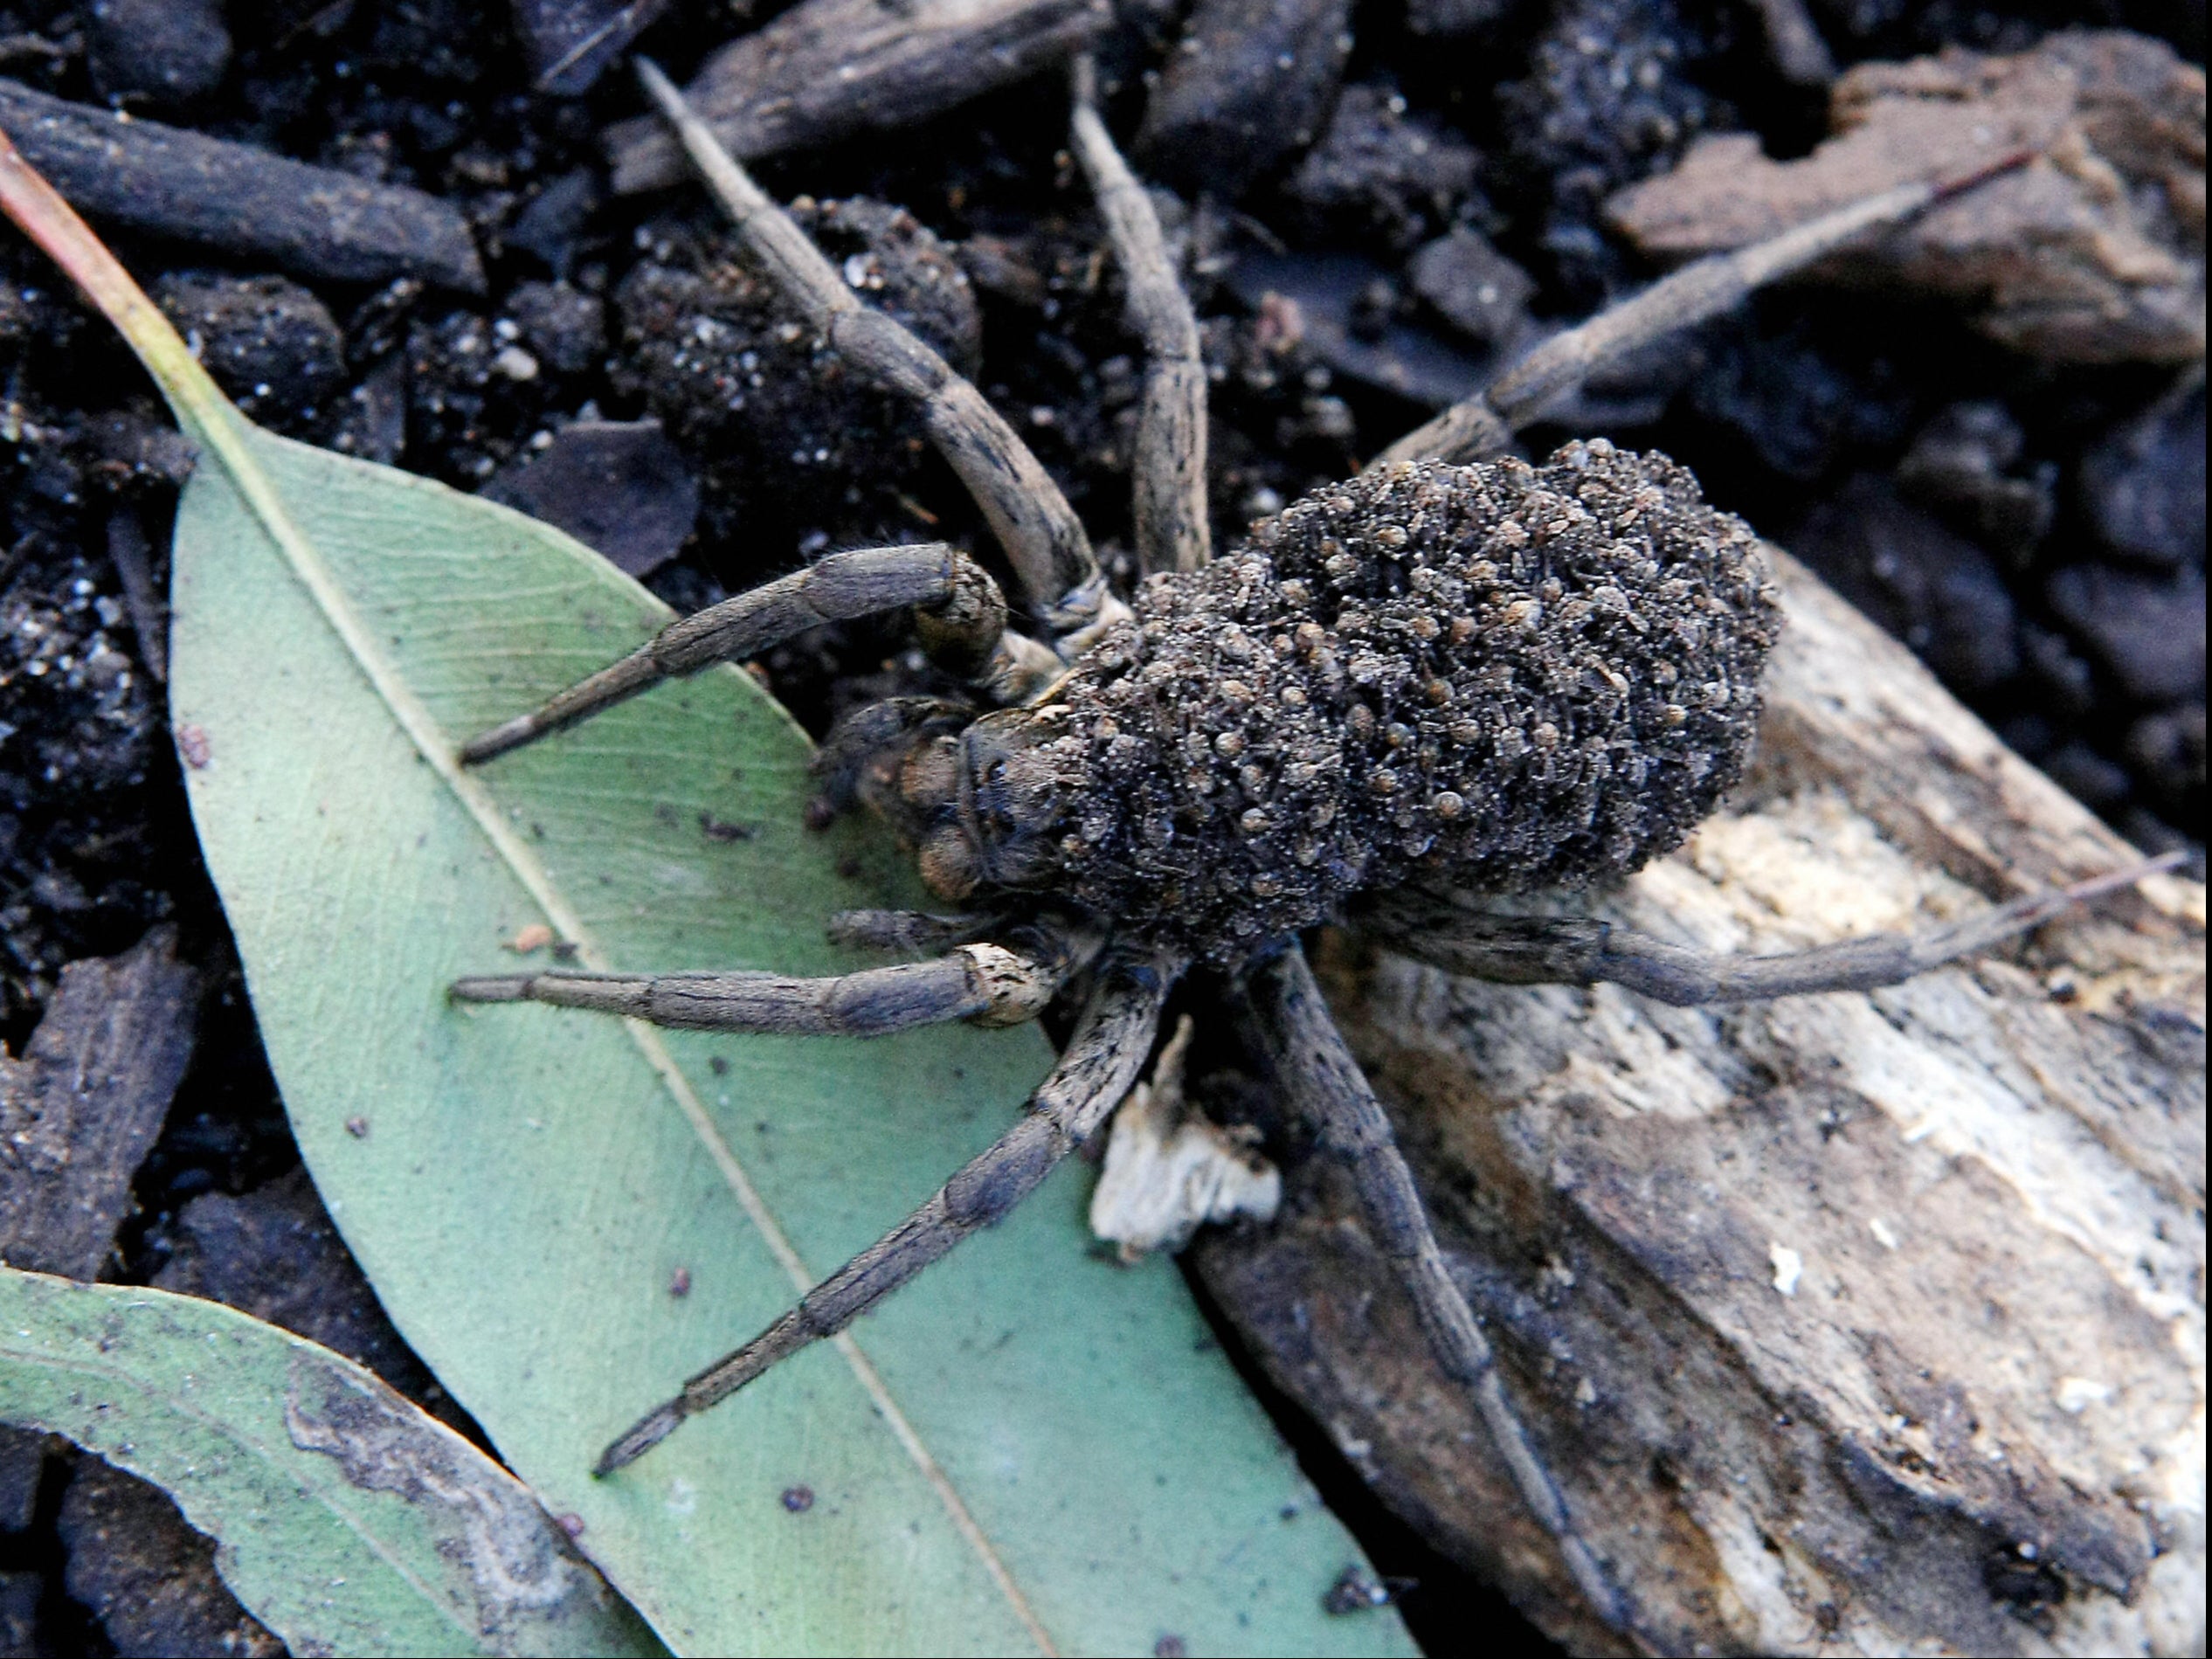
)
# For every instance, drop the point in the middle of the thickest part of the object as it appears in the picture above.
(986, 983)
(1169, 463)
(1309, 1060)
(1044, 541)
(1115, 1033)
(958, 611)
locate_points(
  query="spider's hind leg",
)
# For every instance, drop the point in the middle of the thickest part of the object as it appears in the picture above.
(1485, 423)
(1312, 1066)
(1581, 950)
(1115, 1033)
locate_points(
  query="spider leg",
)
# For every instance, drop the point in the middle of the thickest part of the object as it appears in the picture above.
(1101, 1062)
(1042, 536)
(961, 614)
(990, 984)
(1582, 951)
(1485, 423)
(1312, 1066)
(912, 932)
(1169, 462)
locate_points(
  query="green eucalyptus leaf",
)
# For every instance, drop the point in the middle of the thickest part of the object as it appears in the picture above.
(1032, 1447)
(346, 1520)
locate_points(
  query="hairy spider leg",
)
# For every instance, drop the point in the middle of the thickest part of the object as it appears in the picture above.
(1485, 423)
(985, 984)
(959, 612)
(1101, 1061)
(1289, 1024)
(1044, 540)
(1581, 950)
(1169, 466)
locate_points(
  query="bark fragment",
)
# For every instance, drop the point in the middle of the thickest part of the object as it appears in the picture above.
(827, 68)
(81, 1108)
(312, 221)
(2093, 253)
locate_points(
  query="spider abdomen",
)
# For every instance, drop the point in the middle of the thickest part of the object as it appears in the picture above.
(1501, 675)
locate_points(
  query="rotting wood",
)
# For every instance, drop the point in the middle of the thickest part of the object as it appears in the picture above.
(80, 1108)
(78, 1111)
(312, 221)
(828, 68)
(1850, 1323)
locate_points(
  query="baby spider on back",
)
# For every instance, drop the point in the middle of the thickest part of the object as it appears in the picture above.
(1445, 680)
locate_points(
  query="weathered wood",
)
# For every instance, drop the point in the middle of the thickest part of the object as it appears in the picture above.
(1850, 1323)
(81, 1107)
(828, 68)
(79, 1110)
(312, 221)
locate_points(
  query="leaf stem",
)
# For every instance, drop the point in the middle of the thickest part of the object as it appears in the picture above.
(199, 405)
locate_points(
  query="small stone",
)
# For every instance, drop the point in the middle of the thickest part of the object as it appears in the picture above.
(680, 1282)
(1960, 465)
(167, 50)
(358, 1128)
(618, 486)
(271, 345)
(1250, 81)
(565, 327)
(2144, 484)
(1940, 594)
(1378, 169)
(1473, 286)
(798, 1499)
(2149, 632)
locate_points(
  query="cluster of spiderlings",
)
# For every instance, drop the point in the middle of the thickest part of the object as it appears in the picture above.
(1505, 675)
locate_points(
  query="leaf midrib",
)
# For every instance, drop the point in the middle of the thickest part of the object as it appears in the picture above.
(305, 560)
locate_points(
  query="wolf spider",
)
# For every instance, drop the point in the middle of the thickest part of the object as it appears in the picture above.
(1428, 685)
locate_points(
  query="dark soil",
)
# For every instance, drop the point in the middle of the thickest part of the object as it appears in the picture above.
(2036, 534)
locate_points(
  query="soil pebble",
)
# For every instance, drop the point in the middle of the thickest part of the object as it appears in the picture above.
(1251, 82)
(1473, 286)
(618, 486)
(269, 342)
(2147, 631)
(1609, 98)
(2144, 484)
(787, 432)
(140, 1570)
(1962, 465)
(552, 225)
(1380, 172)
(272, 1253)
(167, 51)
(1937, 591)
(563, 326)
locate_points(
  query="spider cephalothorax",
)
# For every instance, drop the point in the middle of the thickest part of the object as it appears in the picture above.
(1411, 690)
(1500, 675)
